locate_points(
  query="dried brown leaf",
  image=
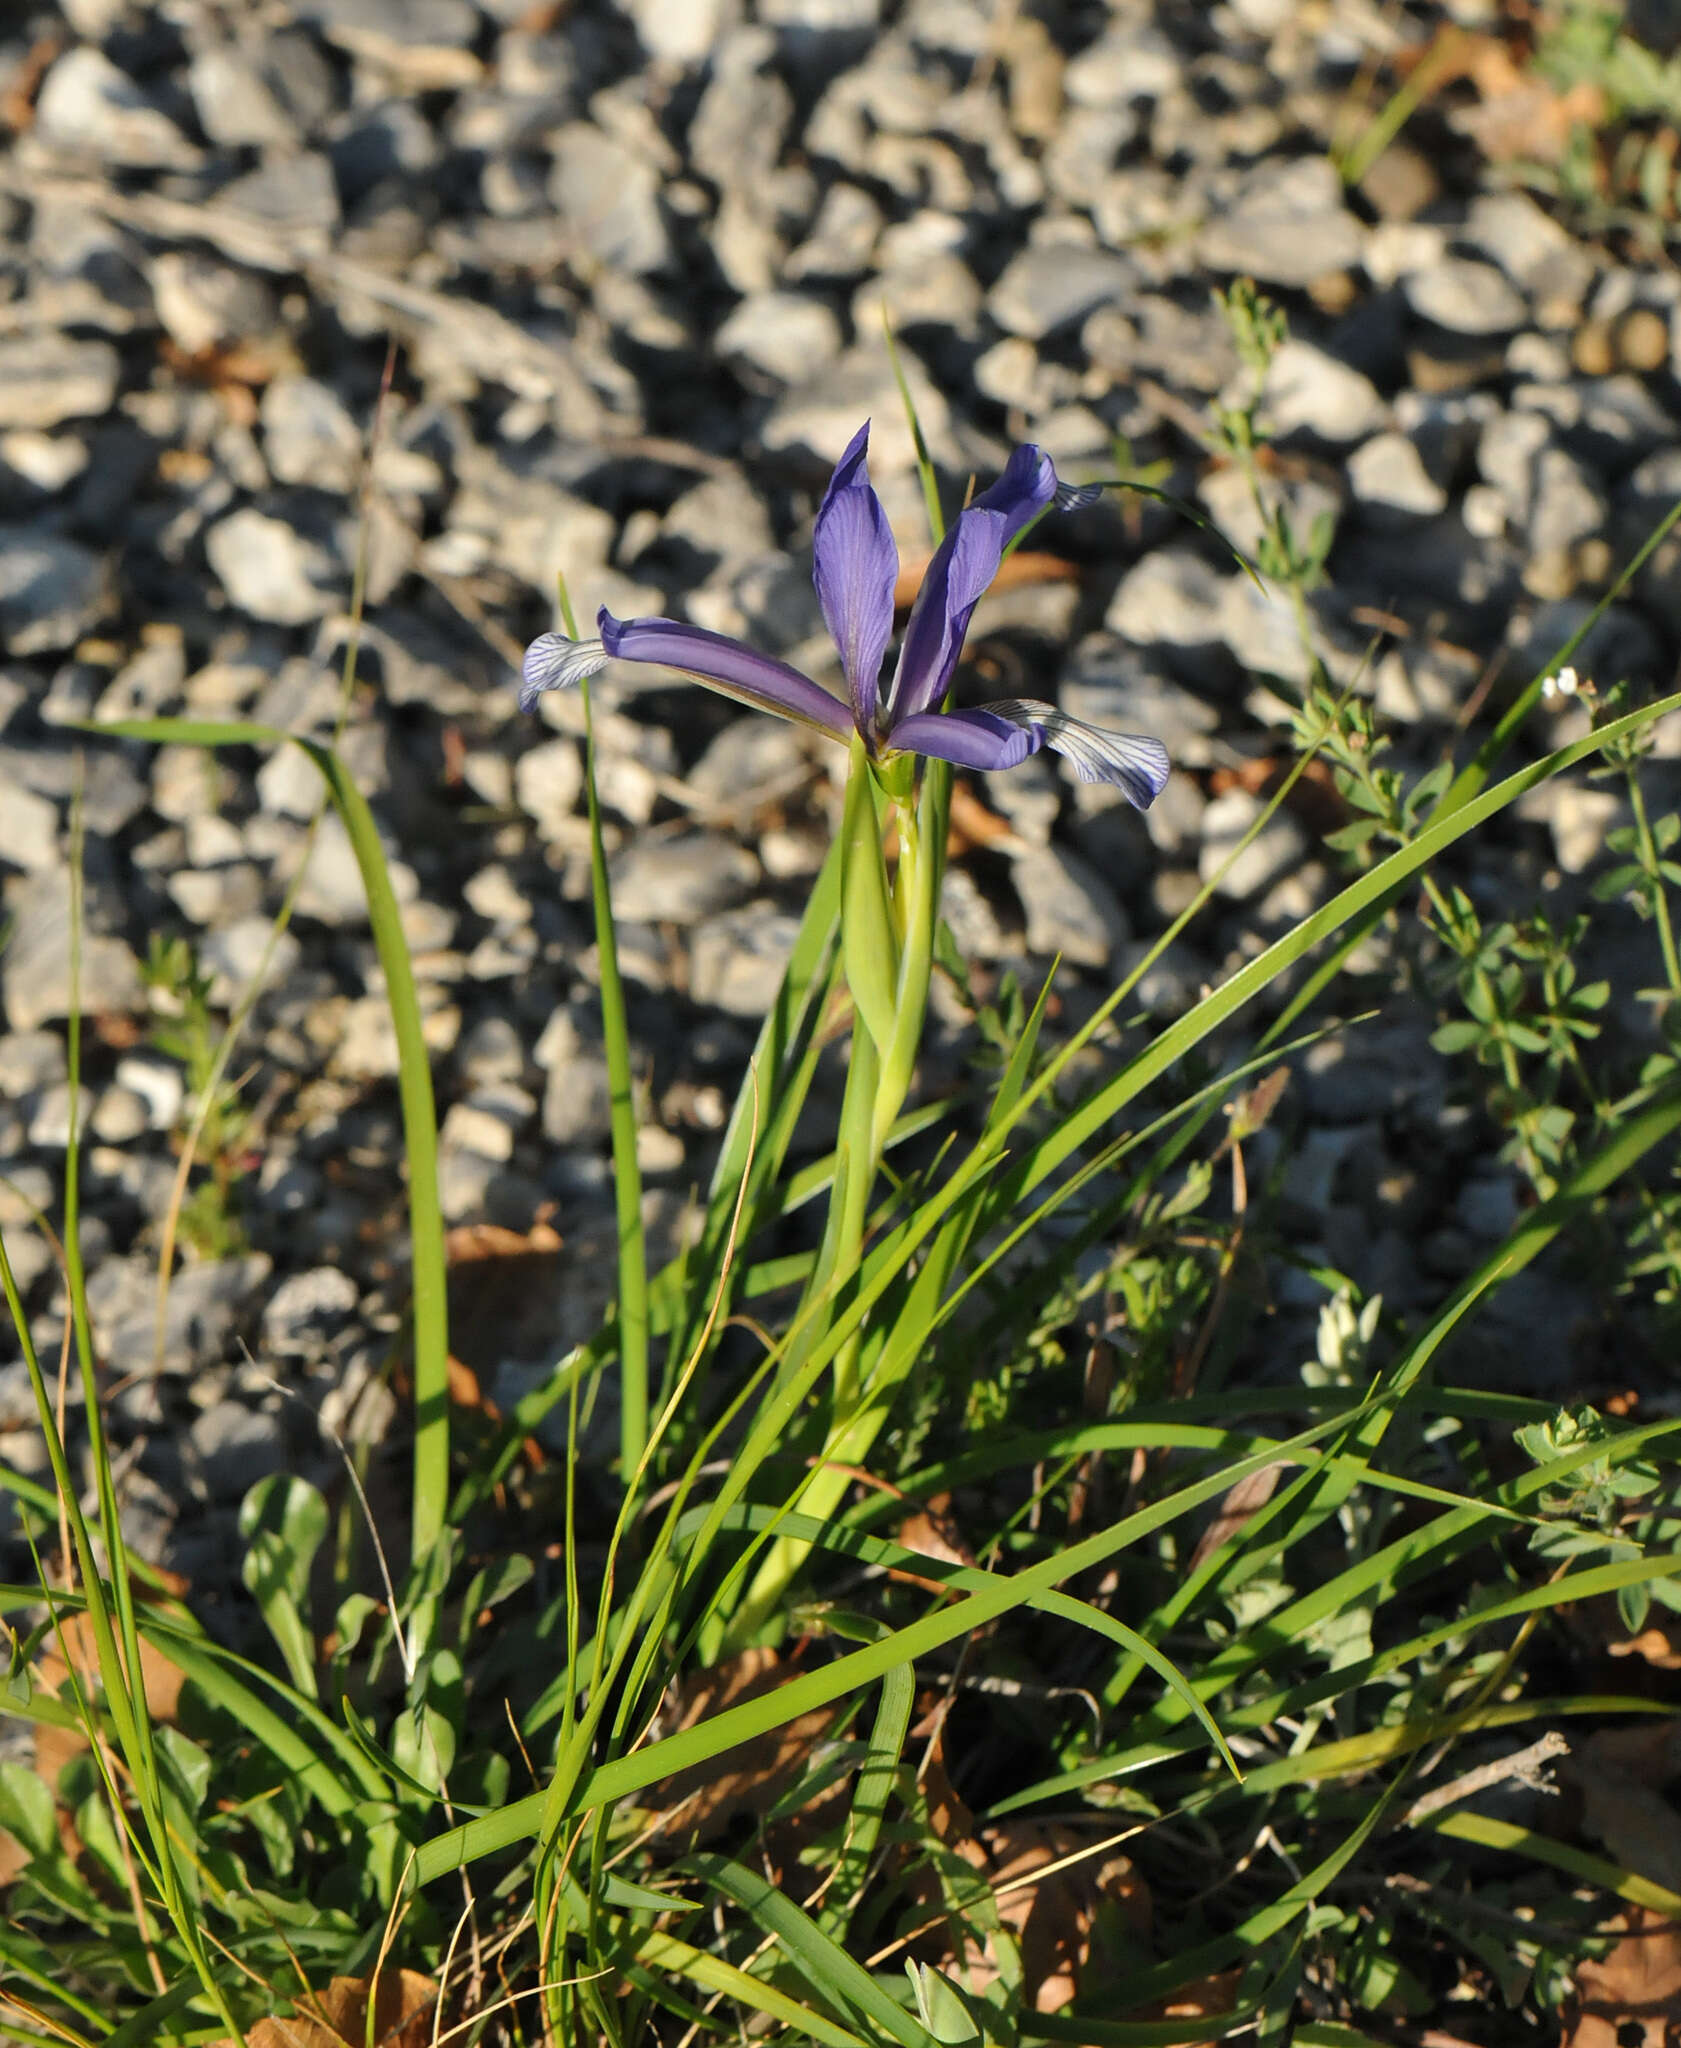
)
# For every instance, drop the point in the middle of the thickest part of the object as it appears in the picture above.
(931, 1532)
(701, 1802)
(1530, 120)
(55, 1746)
(948, 1814)
(1053, 1916)
(338, 2016)
(469, 1243)
(1633, 1994)
(1659, 1647)
(1239, 1507)
(1210, 1998)
(971, 824)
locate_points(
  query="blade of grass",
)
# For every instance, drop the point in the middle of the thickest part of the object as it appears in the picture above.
(1484, 1832)
(872, 1550)
(919, 441)
(824, 1964)
(870, 1797)
(893, 1253)
(110, 1603)
(846, 1674)
(666, 1952)
(621, 1098)
(430, 1496)
(1472, 778)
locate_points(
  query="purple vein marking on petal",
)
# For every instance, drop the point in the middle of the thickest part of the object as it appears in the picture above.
(964, 564)
(725, 665)
(855, 567)
(552, 662)
(1135, 764)
(970, 739)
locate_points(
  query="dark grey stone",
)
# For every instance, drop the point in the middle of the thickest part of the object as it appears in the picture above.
(52, 590)
(230, 1447)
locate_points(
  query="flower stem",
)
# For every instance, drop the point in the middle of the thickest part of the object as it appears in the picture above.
(882, 926)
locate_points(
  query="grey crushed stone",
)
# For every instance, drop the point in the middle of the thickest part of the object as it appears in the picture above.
(637, 269)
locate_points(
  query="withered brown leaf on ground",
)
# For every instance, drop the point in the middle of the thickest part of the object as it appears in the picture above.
(931, 1532)
(1054, 1917)
(700, 1803)
(971, 824)
(1207, 1999)
(1631, 1998)
(501, 1289)
(1238, 1507)
(54, 1746)
(1659, 1647)
(1518, 112)
(404, 2003)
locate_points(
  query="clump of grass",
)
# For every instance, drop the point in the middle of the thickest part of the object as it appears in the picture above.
(1086, 1626)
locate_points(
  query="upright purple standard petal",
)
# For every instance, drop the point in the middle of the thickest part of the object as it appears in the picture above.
(1136, 765)
(964, 564)
(727, 666)
(856, 567)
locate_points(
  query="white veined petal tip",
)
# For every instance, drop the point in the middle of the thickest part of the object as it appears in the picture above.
(1133, 763)
(1076, 497)
(552, 662)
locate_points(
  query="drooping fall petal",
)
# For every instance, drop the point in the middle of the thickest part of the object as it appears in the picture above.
(1135, 764)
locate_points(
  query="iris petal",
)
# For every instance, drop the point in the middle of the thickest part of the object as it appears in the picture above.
(969, 739)
(728, 667)
(856, 567)
(552, 662)
(964, 564)
(1135, 764)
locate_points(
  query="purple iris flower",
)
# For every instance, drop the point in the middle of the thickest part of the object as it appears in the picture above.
(856, 569)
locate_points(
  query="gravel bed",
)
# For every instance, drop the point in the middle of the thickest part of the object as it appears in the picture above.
(633, 261)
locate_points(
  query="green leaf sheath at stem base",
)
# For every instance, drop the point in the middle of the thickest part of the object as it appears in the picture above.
(916, 905)
(869, 942)
(887, 946)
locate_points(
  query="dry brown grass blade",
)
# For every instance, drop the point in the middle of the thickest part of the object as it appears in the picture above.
(1237, 1509)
